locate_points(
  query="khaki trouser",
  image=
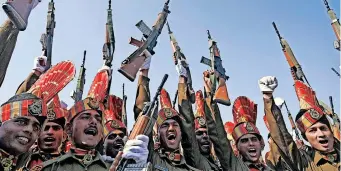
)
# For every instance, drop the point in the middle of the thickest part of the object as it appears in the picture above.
(8, 39)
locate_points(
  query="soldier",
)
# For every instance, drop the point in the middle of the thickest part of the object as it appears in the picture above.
(313, 124)
(18, 12)
(50, 140)
(21, 122)
(224, 151)
(115, 131)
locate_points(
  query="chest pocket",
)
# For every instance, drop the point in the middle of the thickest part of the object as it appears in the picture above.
(160, 168)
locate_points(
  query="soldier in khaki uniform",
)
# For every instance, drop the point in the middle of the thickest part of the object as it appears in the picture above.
(50, 140)
(313, 124)
(21, 122)
(115, 131)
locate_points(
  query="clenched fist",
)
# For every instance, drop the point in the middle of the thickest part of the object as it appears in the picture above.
(40, 64)
(267, 84)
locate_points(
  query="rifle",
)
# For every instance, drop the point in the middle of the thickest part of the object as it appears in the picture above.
(143, 125)
(295, 67)
(338, 74)
(109, 45)
(220, 94)
(124, 109)
(46, 39)
(130, 66)
(175, 98)
(335, 117)
(77, 95)
(292, 123)
(179, 56)
(335, 24)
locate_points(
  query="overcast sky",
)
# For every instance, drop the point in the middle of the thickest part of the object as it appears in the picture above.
(248, 44)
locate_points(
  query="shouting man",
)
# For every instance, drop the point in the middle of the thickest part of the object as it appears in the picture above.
(324, 154)
(21, 122)
(50, 140)
(114, 129)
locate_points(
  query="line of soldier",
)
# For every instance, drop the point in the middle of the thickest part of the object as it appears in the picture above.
(89, 135)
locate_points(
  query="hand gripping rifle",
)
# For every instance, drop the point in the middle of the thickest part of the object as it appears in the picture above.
(130, 66)
(143, 125)
(109, 45)
(179, 56)
(46, 39)
(77, 95)
(220, 94)
(335, 24)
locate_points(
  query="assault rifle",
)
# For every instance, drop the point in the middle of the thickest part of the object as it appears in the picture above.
(46, 39)
(77, 95)
(143, 125)
(124, 108)
(335, 117)
(130, 66)
(109, 45)
(295, 67)
(292, 123)
(220, 94)
(335, 24)
(179, 56)
(175, 98)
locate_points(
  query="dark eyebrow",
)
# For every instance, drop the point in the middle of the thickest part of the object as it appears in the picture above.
(86, 114)
(21, 118)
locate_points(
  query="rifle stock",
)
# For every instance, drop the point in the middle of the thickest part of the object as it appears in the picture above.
(220, 94)
(143, 125)
(131, 65)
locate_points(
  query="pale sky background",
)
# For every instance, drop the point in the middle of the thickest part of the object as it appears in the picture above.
(248, 44)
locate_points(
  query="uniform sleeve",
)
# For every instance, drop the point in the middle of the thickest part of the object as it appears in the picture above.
(142, 95)
(27, 84)
(286, 146)
(218, 137)
(188, 142)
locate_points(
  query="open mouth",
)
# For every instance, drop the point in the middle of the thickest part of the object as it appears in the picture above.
(91, 131)
(49, 140)
(323, 142)
(171, 136)
(118, 145)
(252, 152)
(23, 140)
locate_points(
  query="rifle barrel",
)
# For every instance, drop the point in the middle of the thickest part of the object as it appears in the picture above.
(276, 29)
(208, 34)
(337, 73)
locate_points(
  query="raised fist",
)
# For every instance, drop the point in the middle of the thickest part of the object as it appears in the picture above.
(147, 61)
(137, 149)
(267, 84)
(180, 69)
(40, 64)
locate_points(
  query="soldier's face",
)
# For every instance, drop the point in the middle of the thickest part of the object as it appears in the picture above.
(170, 134)
(203, 141)
(249, 147)
(19, 134)
(87, 129)
(114, 143)
(320, 137)
(51, 137)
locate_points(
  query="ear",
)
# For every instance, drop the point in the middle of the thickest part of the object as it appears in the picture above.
(68, 129)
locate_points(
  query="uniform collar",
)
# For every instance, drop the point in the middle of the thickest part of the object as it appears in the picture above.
(173, 156)
(255, 166)
(7, 160)
(331, 158)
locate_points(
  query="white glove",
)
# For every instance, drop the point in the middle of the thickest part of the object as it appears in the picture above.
(147, 61)
(35, 3)
(180, 69)
(267, 84)
(40, 63)
(279, 102)
(137, 149)
(105, 68)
